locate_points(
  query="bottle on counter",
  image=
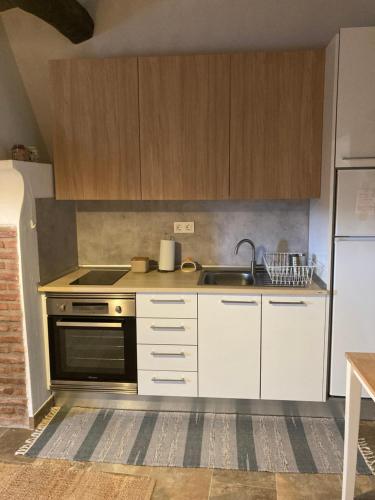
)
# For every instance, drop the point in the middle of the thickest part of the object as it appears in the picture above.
(33, 153)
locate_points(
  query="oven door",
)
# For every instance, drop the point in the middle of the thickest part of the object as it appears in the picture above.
(93, 349)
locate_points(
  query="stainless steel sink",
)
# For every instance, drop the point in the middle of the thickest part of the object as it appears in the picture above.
(238, 277)
(226, 278)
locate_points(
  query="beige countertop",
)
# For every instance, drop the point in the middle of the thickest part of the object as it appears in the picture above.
(177, 281)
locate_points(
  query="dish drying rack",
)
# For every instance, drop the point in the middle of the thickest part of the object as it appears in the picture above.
(282, 273)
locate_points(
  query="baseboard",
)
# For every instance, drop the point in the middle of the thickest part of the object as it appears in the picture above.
(333, 407)
(41, 413)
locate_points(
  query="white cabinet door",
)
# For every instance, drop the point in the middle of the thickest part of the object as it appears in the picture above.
(229, 346)
(355, 139)
(293, 348)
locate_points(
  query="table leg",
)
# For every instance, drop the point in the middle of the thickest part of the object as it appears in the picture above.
(352, 413)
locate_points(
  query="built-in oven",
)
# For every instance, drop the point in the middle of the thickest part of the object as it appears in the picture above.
(92, 342)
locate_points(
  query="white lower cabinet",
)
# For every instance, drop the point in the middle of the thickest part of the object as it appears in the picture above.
(167, 383)
(229, 346)
(167, 357)
(166, 331)
(293, 348)
(167, 344)
(166, 305)
(241, 346)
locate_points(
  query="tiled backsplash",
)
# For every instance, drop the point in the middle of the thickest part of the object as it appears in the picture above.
(114, 232)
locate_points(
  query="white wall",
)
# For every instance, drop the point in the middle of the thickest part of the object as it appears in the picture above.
(20, 184)
(17, 121)
(176, 26)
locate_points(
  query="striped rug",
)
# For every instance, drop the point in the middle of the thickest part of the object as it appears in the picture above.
(255, 443)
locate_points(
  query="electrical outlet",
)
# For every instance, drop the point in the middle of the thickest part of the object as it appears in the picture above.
(184, 227)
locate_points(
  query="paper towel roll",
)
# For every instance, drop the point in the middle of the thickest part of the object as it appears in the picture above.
(167, 255)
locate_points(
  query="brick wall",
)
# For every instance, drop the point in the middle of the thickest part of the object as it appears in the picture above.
(13, 402)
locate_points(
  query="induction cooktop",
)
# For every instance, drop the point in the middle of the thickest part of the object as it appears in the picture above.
(99, 277)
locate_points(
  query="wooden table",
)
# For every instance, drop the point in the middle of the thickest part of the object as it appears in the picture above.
(360, 373)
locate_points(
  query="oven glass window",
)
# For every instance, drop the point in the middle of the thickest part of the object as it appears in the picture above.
(97, 351)
(93, 349)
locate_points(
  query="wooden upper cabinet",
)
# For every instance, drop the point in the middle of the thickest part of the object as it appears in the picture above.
(276, 124)
(96, 129)
(184, 127)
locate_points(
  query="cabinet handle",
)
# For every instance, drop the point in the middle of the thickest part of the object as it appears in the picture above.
(179, 354)
(171, 328)
(90, 324)
(168, 301)
(172, 380)
(358, 157)
(224, 301)
(287, 303)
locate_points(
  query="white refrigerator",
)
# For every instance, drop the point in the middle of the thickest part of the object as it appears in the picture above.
(353, 313)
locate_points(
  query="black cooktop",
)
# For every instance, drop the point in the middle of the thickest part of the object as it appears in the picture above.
(100, 277)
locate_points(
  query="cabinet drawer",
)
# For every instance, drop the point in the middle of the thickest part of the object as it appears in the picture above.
(167, 357)
(166, 331)
(166, 305)
(164, 383)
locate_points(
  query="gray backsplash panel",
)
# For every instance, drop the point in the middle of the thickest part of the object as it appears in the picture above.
(57, 237)
(114, 232)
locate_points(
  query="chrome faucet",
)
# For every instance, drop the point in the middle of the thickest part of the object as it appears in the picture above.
(237, 247)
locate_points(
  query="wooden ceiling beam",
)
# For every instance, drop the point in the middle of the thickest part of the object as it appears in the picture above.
(67, 16)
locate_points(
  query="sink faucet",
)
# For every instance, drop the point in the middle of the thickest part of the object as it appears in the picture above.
(237, 247)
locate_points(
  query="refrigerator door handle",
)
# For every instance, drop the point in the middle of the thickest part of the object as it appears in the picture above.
(354, 238)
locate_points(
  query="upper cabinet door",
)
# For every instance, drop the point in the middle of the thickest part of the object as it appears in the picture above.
(276, 124)
(96, 129)
(184, 127)
(355, 139)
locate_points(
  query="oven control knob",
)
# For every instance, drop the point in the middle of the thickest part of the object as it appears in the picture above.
(118, 309)
(62, 307)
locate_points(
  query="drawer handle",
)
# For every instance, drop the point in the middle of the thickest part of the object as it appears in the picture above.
(168, 301)
(179, 354)
(287, 303)
(224, 301)
(358, 158)
(171, 328)
(169, 380)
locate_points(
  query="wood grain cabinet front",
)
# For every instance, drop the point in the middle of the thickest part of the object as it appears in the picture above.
(184, 127)
(96, 129)
(276, 124)
(191, 127)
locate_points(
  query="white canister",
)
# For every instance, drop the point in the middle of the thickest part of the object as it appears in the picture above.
(167, 255)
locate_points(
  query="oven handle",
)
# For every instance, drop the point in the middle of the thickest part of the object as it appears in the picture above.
(81, 324)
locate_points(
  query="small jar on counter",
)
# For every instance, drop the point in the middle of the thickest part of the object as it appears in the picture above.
(20, 153)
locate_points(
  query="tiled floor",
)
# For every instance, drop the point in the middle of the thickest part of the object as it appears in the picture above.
(202, 484)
